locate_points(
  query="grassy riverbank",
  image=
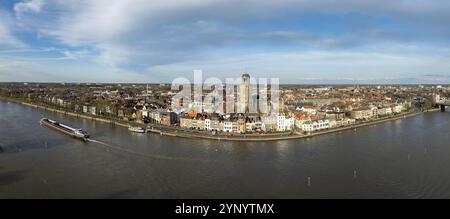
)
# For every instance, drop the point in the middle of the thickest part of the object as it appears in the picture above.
(78, 115)
(68, 113)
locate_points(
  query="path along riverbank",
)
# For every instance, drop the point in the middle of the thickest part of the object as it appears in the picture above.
(262, 137)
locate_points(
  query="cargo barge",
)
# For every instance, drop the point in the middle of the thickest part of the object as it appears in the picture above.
(76, 133)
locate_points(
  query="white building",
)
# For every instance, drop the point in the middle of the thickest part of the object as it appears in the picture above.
(299, 122)
(144, 111)
(437, 98)
(228, 126)
(335, 123)
(309, 109)
(374, 111)
(281, 123)
(388, 110)
(155, 116)
(342, 122)
(85, 109)
(397, 108)
(289, 123)
(207, 124)
(93, 110)
(310, 126)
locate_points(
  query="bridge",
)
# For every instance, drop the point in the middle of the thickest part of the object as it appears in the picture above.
(443, 104)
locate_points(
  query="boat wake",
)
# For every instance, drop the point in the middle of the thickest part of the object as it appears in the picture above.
(153, 156)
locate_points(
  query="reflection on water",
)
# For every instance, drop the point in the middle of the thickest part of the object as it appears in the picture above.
(403, 159)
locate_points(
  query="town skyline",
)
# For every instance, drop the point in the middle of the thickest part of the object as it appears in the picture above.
(168, 83)
(237, 110)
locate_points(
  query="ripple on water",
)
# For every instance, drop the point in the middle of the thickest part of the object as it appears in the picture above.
(155, 166)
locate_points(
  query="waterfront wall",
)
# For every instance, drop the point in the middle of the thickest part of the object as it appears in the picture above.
(290, 137)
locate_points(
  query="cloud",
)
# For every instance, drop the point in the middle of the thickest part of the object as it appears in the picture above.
(28, 6)
(34, 71)
(7, 39)
(197, 24)
(173, 36)
(293, 67)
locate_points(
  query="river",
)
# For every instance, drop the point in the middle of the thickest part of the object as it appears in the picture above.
(408, 158)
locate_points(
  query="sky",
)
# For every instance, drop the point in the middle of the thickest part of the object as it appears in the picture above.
(297, 41)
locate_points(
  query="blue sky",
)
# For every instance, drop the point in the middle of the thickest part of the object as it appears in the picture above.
(301, 41)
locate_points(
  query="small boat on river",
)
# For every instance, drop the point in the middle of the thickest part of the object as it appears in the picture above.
(137, 129)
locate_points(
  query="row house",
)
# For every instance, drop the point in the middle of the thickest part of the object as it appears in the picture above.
(186, 122)
(208, 124)
(91, 110)
(170, 118)
(77, 108)
(308, 109)
(137, 116)
(250, 126)
(269, 123)
(384, 111)
(145, 111)
(335, 115)
(85, 109)
(253, 126)
(289, 123)
(285, 124)
(300, 118)
(311, 126)
(234, 126)
(213, 124)
(397, 108)
(108, 110)
(241, 126)
(61, 102)
(154, 116)
(121, 113)
(342, 122)
(228, 126)
(281, 123)
(374, 110)
(201, 122)
(362, 113)
(197, 124)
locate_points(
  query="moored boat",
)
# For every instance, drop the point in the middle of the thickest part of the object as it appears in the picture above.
(137, 129)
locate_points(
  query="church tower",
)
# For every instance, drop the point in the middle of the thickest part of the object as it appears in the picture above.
(245, 92)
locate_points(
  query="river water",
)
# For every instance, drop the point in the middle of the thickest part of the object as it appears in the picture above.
(408, 158)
